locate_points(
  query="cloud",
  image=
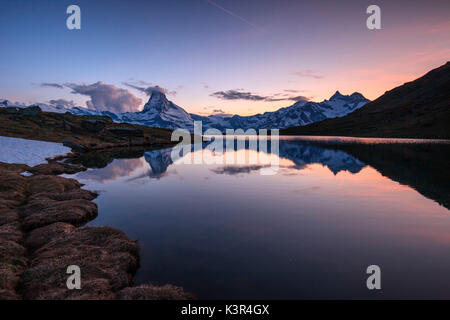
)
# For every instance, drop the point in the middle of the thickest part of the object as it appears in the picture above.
(239, 94)
(62, 103)
(300, 98)
(147, 90)
(115, 170)
(221, 113)
(214, 111)
(150, 89)
(141, 82)
(235, 170)
(308, 74)
(107, 97)
(52, 85)
(293, 91)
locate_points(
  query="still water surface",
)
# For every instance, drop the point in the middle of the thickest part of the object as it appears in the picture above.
(335, 207)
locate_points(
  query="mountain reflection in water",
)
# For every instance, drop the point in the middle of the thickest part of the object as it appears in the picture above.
(422, 165)
(334, 207)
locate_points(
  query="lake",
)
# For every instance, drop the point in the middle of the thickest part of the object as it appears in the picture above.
(334, 207)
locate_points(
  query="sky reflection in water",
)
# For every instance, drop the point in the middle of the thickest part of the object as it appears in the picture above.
(309, 231)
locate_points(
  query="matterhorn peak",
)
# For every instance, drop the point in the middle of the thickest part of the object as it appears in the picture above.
(157, 102)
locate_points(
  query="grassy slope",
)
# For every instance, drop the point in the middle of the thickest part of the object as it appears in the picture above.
(417, 109)
(47, 126)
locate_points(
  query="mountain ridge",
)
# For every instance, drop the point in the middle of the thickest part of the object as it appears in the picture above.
(161, 112)
(416, 109)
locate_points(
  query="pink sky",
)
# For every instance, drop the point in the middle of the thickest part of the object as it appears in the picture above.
(267, 48)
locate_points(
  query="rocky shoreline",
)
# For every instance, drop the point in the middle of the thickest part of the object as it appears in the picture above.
(41, 233)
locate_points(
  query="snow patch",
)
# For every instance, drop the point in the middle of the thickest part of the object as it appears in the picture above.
(29, 152)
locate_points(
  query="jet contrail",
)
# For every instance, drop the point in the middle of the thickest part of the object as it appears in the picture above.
(232, 14)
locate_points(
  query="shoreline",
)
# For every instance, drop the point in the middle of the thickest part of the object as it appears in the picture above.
(42, 232)
(43, 215)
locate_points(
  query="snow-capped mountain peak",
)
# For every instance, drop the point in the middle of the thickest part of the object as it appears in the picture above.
(353, 97)
(158, 102)
(357, 95)
(340, 105)
(159, 111)
(44, 106)
(337, 95)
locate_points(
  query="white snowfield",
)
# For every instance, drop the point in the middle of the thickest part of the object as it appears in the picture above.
(30, 152)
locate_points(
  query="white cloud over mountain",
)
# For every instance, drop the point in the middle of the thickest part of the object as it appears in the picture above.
(107, 97)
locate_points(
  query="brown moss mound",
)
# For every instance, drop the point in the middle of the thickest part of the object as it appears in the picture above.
(106, 257)
(151, 292)
(39, 239)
